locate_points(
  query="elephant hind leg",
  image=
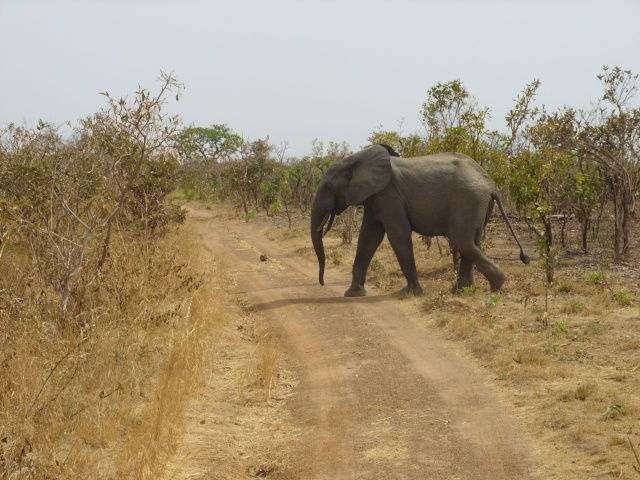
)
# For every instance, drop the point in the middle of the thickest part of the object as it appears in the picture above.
(497, 282)
(466, 276)
(491, 271)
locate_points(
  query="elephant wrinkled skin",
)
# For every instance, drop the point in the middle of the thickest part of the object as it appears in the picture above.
(446, 194)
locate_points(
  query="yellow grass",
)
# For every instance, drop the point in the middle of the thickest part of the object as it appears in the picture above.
(104, 397)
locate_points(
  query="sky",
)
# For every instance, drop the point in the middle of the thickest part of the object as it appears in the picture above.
(299, 71)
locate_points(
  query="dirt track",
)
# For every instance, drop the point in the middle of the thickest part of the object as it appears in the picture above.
(377, 396)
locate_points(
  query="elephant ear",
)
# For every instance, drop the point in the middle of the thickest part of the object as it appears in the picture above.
(370, 172)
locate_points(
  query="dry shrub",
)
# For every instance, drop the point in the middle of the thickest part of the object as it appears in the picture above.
(583, 392)
(463, 327)
(102, 394)
(259, 376)
(268, 353)
(528, 356)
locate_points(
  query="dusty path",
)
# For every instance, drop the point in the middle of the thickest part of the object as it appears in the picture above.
(377, 396)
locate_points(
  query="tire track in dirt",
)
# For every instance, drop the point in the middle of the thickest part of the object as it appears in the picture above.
(377, 397)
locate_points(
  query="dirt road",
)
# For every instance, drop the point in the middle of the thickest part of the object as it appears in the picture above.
(377, 396)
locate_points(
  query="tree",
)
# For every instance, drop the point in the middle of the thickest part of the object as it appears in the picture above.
(609, 134)
(200, 151)
(209, 144)
(545, 173)
(532, 169)
(454, 122)
(580, 183)
(248, 175)
(63, 198)
(130, 136)
(412, 145)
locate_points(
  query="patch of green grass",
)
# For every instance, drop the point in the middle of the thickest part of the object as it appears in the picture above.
(599, 278)
(560, 327)
(376, 264)
(470, 290)
(623, 297)
(615, 411)
(492, 300)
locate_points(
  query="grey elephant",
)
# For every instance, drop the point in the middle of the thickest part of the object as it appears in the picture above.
(446, 194)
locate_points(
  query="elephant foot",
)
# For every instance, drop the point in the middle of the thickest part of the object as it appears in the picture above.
(357, 291)
(415, 290)
(498, 281)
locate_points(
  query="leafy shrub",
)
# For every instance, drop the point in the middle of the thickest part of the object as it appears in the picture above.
(492, 300)
(623, 297)
(599, 278)
(470, 290)
(560, 328)
(376, 264)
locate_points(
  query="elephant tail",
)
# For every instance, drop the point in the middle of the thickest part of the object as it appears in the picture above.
(524, 258)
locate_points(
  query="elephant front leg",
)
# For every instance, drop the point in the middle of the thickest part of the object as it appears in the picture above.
(402, 245)
(371, 235)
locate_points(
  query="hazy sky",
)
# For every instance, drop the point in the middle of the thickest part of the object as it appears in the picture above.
(306, 69)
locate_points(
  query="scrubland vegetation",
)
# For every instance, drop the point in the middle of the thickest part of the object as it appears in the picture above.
(109, 310)
(106, 311)
(569, 164)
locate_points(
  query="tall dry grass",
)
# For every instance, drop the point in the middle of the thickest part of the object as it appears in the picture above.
(102, 394)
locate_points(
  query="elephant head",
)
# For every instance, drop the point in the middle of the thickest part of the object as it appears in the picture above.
(349, 182)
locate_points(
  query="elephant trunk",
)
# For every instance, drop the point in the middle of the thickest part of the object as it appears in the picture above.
(319, 217)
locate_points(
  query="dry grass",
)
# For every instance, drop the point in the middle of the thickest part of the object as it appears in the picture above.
(107, 394)
(237, 424)
(103, 395)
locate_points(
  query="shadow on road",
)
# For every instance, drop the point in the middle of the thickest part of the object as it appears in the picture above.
(285, 302)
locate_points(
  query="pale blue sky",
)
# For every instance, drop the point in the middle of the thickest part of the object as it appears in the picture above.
(304, 70)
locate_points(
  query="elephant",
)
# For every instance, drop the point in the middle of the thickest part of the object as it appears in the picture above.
(446, 194)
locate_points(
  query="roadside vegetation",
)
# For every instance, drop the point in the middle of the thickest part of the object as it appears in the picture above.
(109, 309)
(573, 166)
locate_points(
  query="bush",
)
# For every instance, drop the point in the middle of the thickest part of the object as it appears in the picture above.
(61, 200)
(97, 309)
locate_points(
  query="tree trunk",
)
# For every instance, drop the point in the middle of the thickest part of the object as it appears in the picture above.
(617, 216)
(585, 233)
(548, 247)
